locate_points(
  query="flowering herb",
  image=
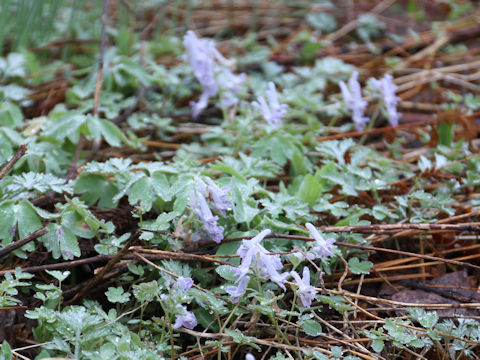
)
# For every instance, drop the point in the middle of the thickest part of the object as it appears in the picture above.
(389, 100)
(305, 291)
(323, 248)
(211, 70)
(219, 196)
(237, 291)
(252, 253)
(184, 318)
(352, 95)
(272, 112)
(200, 205)
(184, 283)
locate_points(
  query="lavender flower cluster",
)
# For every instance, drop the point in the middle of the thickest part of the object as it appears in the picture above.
(212, 71)
(257, 260)
(183, 317)
(272, 112)
(384, 91)
(198, 200)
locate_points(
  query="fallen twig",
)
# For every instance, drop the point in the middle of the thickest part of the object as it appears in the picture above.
(20, 152)
(18, 244)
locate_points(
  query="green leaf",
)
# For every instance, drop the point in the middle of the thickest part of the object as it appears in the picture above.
(359, 267)
(96, 187)
(27, 218)
(226, 272)
(222, 167)
(7, 222)
(309, 189)
(377, 345)
(141, 193)
(10, 115)
(312, 328)
(61, 241)
(243, 211)
(6, 351)
(206, 319)
(117, 295)
(60, 276)
(239, 338)
(445, 133)
(111, 133)
(336, 351)
(428, 319)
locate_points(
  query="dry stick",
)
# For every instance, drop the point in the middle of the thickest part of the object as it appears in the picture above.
(181, 256)
(62, 265)
(18, 244)
(106, 269)
(375, 130)
(96, 95)
(20, 152)
(149, 254)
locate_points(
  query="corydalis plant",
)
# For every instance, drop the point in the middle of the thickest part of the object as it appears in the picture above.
(253, 254)
(322, 248)
(212, 71)
(216, 193)
(200, 205)
(305, 291)
(385, 89)
(352, 95)
(272, 112)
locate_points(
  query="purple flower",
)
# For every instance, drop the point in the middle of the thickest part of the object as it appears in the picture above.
(305, 291)
(208, 64)
(184, 318)
(199, 204)
(272, 111)
(219, 196)
(184, 283)
(387, 90)
(352, 95)
(322, 247)
(252, 253)
(237, 291)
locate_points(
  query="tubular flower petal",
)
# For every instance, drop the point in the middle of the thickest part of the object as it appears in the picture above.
(219, 196)
(352, 95)
(272, 112)
(185, 319)
(387, 90)
(305, 291)
(252, 253)
(237, 291)
(184, 283)
(199, 204)
(210, 69)
(322, 247)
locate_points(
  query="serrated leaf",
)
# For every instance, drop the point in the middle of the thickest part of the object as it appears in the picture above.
(239, 338)
(378, 345)
(312, 328)
(359, 267)
(226, 272)
(117, 295)
(96, 187)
